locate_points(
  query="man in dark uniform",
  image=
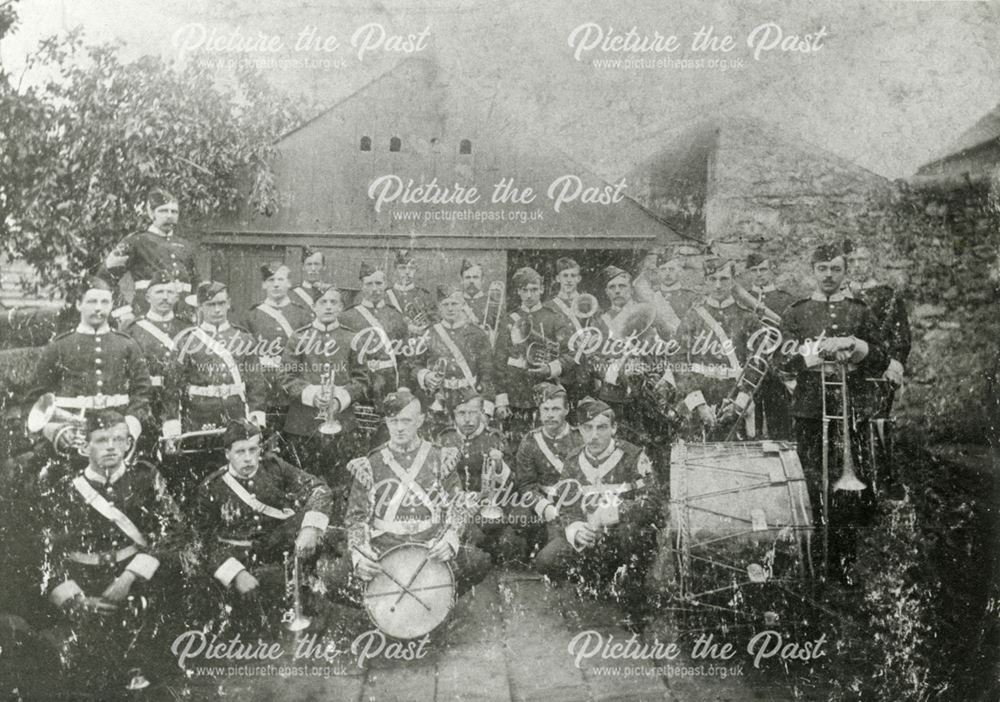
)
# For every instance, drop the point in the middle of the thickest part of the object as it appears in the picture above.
(251, 513)
(155, 332)
(608, 536)
(889, 309)
(313, 263)
(272, 322)
(412, 301)
(381, 338)
(458, 356)
(831, 331)
(323, 378)
(713, 340)
(110, 561)
(540, 464)
(481, 455)
(661, 286)
(472, 284)
(773, 401)
(405, 491)
(214, 376)
(158, 248)
(529, 328)
(576, 380)
(94, 367)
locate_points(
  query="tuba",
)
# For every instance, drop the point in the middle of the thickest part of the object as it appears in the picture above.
(64, 429)
(493, 313)
(331, 426)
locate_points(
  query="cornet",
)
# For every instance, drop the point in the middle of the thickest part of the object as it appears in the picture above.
(64, 429)
(331, 426)
(439, 371)
(541, 351)
(491, 484)
(293, 619)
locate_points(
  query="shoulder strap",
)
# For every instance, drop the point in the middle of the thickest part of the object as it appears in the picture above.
(278, 317)
(390, 295)
(223, 353)
(449, 343)
(108, 511)
(558, 302)
(252, 502)
(306, 297)
(721, 334)
(155, 332)
(556, 462)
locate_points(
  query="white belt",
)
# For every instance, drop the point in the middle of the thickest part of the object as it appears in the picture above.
(402, 527)
(183, 287)
(92, 401)
(717, 372)
(216, 390)
(380, 365)
(106, 558)
(245, 543)
(156, 381)
(518, 363)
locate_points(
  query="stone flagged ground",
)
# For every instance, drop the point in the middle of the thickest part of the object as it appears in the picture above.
(505, 641)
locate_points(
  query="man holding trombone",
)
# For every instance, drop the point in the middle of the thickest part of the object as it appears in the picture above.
(831, 343)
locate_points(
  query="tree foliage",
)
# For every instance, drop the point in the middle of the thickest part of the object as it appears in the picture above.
(80, 151)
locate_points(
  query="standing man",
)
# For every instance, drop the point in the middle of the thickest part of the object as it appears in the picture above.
(889, 309)
(458, 356)
(475, 299)
(773, 403)
(313, 264)
(661, 286)
(249, 513)
(540, 465)
(94, 367)
(532, 346)
(832, 332)
(406, 491)
(272, 323)
(323, 378)
(413, 302)
(109, 562)
(214, 377)
(607, 539)
(576, 381)
(159, 248)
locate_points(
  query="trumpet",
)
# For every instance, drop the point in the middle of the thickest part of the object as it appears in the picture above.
(416, 313)
(64, 429)
(755, 370)
(331, 426)
(493, 313)
(584, 306)
(439, 371)
(491, 484)
(293, 619)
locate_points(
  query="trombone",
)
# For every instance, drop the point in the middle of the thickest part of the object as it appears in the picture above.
(493, 314)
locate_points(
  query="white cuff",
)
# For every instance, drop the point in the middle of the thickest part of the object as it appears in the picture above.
(694, 400)
(171, 428)
(451, 538)
(571, 534)
(422, 377)
(895, 367)
(134, 426)
(228, 571)
(259, 418)
(309, 395)
(488, 408)
(65, 591)
(540, 506)
(860, 350)
(143, 565)
(811, 359)
(316, 520)
(341, 395)
(742, 400)
(790, 385)
(502, 400)
(555, 369)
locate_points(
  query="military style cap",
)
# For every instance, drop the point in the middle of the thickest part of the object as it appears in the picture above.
(403, 256)
(208, 290)
(827, 252)
(467, 264)
(269, 270)
(158, 197)
(161, 277)
(664, 257)
(609, 273)
(711, 266)
(103, 419)
(396, 402)
(94, 282)
(565, 264)
(543, 392)
(239, 430)
(367, 270)
(327, 291)
(446, 291)
(755, 259)
(463, 395)
(308, 252)
(588, 408)
(526, 276)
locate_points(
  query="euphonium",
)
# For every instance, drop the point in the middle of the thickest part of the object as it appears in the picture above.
(584, 306)
(491, 484)
(494, 310)
(416, 313)
(331, 426)
(62, 428)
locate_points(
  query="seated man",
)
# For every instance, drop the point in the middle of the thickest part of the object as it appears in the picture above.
(608, 538)
(485, 476)
(251, 513)
(391, 503)
(107, 538)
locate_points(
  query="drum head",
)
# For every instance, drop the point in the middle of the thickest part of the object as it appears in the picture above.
(431, 586)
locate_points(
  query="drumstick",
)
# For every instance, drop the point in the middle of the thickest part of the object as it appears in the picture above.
(420, 567)
(406, 588)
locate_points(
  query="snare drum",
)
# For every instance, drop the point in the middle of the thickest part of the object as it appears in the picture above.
(413, 595)
(739, 513)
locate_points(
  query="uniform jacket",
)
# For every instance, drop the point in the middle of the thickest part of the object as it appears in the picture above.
(511, 361)
(474, 345)
(248, 521)
(774, 298)
(155, 337)
(578, 375)
(406, 300)
(387, 365)
(475, 307)
(310, 354)
(82, 365)
(889, 309)
(541, 463)
(620, 372)
(272, 326)
(472, 451)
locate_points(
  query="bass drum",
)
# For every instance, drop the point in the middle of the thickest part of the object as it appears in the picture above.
(412, 595)
(739, 515)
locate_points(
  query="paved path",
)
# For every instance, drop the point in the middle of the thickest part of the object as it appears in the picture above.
(507, 640)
